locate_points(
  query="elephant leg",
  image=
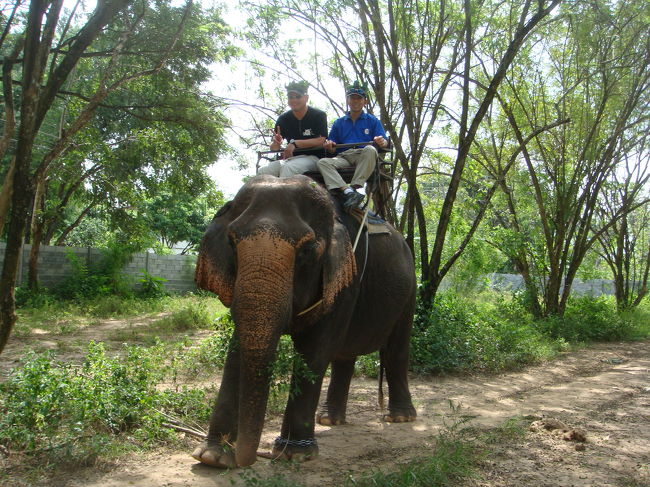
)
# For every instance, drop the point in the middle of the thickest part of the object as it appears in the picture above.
(218, 448)
(395, 357)
(296, 441)
(332, 412)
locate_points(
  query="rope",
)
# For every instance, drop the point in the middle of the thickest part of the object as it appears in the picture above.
(354, 247)
(305, 311)
(283, 443)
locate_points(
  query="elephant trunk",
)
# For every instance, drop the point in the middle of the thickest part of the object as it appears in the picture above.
(261, 310)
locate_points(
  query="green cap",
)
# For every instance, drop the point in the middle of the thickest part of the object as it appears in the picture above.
(356, 88)
(299, 87)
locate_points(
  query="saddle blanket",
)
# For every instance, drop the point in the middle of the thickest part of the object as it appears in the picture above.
(375, 225)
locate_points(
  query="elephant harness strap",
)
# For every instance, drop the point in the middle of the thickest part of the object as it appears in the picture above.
(354, 249)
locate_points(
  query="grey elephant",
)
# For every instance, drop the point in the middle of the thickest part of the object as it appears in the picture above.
(280, 257)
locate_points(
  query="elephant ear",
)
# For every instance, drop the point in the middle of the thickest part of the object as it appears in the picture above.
(215, 267)
(340, 266)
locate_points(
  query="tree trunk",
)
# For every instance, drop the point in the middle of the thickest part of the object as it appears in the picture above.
(5, 195)
(35, 103)
(36, 233)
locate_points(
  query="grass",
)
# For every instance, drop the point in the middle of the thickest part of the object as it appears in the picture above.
(452, 460)
(46, 425)
(455, 456)
(187, 312)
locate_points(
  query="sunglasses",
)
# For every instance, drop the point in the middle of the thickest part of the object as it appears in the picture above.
(294, 97)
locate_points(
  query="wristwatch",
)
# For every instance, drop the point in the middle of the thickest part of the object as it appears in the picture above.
(293, 141)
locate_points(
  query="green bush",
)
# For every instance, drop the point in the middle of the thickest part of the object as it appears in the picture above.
(193, 316)
(287, 362)
(639, 317)
(58, 409)
(151, 286)
(457, 334)
(210, 353)
(367, 365)
(26, 298)
(588, 319)
(102, 279)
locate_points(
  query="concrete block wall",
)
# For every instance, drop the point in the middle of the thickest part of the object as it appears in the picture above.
(592, 287)
(54, 265)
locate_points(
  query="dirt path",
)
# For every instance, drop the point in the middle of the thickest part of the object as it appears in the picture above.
(603, 391)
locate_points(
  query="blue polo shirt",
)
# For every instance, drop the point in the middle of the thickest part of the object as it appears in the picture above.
(364, 129)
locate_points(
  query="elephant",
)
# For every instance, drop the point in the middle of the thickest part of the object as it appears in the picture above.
(280, 256)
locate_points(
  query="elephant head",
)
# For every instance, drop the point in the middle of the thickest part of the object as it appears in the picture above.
(273, 251)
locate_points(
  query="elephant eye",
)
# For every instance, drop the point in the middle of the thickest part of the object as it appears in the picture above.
(311, 249)
(307, 248)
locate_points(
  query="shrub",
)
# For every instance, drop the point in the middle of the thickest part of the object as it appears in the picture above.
(209, 353)
(26, 298)
(57, 409)
(588, 319)
(151, 286)
(102, 279)
(367, 365)
(458, 334)
(193, 316)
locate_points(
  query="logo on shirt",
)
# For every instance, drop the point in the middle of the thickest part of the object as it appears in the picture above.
(307, 132)
(366, 131)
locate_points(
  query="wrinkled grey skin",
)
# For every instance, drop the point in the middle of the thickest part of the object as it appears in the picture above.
(271, 253)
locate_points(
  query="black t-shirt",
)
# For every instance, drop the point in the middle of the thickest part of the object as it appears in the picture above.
(313, 124)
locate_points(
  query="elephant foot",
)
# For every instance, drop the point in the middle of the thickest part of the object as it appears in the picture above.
(220, 456)
(400, 416)
(329, 419)
(295, 450)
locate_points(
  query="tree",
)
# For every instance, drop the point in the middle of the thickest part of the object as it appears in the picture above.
(180, 218)
(66, 83)
(37, 95)
(625, 244)
(410, 52)
(151, 66)
(592, 69)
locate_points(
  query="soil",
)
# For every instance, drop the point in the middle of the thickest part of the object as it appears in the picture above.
(585, 419)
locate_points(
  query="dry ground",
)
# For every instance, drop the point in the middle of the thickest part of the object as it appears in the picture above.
(602, 392)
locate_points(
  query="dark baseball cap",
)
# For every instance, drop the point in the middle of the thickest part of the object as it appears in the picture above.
(356, 88)
(299, 87)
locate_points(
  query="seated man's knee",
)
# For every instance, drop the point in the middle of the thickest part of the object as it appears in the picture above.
(371, 149)
(288, 171)
(272, 169)
(324, 162)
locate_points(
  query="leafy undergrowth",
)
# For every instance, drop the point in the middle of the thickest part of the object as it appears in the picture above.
(496, 333)
(57, 412)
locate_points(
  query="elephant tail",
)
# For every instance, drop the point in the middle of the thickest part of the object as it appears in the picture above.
(380, 396)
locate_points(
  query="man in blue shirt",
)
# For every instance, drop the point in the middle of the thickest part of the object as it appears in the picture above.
(355, 126)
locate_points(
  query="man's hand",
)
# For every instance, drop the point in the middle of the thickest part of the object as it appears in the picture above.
(329, 146)
(276, 141)
(380, 141)
(288, 151)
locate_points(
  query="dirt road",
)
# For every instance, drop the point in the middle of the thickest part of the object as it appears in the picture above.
(602, 392)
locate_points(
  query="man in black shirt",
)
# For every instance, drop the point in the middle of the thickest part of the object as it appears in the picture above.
(304, 129)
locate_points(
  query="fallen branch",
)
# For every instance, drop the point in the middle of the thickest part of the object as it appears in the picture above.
(183, 429)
